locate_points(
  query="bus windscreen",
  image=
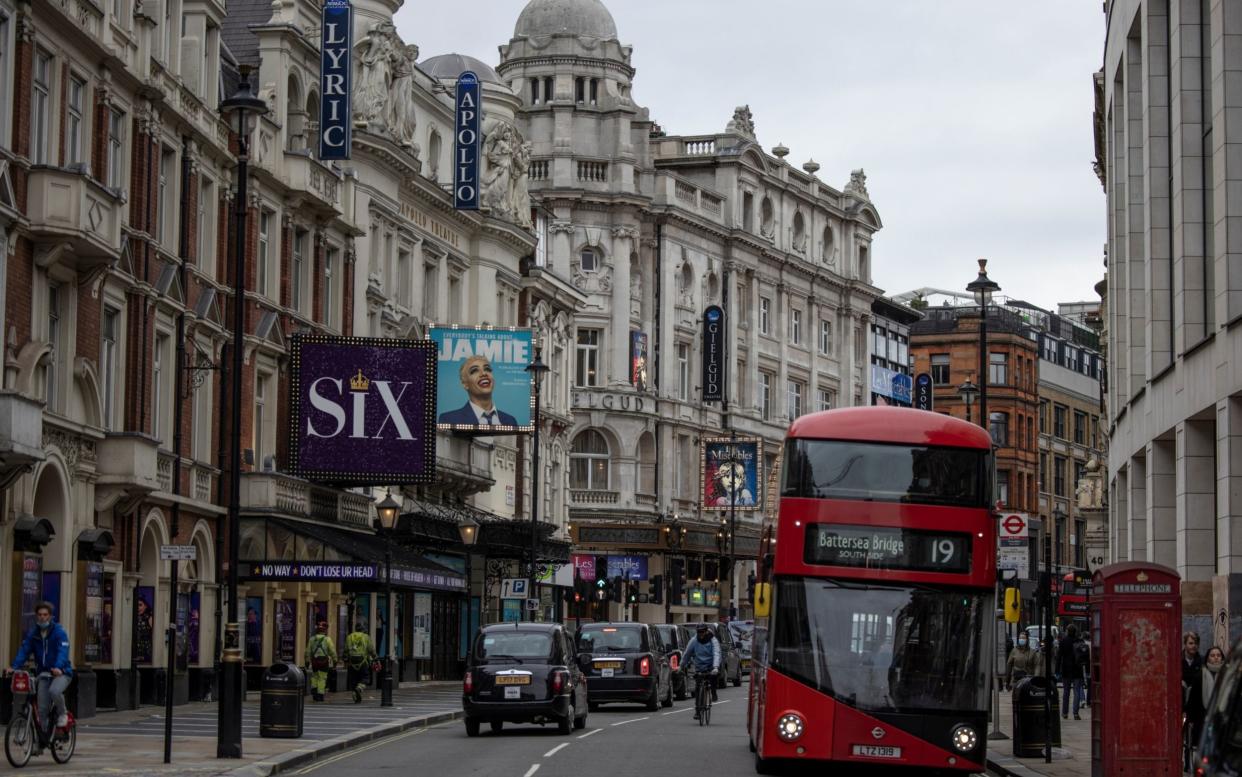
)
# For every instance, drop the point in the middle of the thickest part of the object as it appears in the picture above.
(883, 648)
(877, 472)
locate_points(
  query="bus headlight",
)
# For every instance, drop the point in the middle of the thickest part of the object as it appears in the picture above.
(790, 727)
(965, 738)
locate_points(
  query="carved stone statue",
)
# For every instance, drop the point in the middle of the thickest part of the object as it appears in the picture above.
(858, 184)
(401, 119)
(498, 148)
(519, 191)
(742, 123)
(375, 80)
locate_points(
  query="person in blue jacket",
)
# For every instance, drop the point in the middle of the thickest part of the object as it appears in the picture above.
(47, 645)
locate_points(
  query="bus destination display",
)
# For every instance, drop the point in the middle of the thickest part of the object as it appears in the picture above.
(887, 547)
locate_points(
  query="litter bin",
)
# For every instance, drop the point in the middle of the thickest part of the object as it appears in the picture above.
(1029, 717)
(281, 704)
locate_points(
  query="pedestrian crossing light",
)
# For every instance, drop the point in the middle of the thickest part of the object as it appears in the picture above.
(1013, 605)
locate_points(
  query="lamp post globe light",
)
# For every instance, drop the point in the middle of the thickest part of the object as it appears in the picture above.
(244, 110)
(968, 392)
(387, 510)
(983, 288)
(537, 370)
(468, 530)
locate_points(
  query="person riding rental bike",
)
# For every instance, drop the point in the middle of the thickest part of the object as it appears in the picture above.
(702, 655)
(359, 654)
(48, 645)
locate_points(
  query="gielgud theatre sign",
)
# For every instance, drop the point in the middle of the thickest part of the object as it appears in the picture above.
(362, 410)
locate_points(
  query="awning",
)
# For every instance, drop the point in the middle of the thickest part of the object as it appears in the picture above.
(437, 524)
(366, 564)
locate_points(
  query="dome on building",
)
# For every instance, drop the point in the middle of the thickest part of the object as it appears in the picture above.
(565, 17)
(450, 66)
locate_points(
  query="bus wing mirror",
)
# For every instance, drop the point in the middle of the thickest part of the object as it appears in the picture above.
(763, 599)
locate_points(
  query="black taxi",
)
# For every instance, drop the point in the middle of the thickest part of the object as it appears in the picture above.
(624, 662)
(523, 673)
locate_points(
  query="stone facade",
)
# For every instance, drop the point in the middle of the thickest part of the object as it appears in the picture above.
(1165, 154)
(652, 228)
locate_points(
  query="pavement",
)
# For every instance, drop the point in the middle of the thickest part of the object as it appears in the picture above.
(132, 742)
(1072, 759)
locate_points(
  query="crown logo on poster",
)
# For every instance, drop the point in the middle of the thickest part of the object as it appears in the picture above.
(359, 382)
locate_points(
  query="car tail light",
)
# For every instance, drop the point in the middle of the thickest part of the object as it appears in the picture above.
(674, 661)
(21, 682)
(644, 667)
(467, 683)
(558, 681)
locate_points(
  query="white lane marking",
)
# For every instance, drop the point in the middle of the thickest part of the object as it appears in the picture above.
(531, 771)
(590, 733)
(683, 709)
(725, 701)
(556, 750)
(349, 753)
(634, 720)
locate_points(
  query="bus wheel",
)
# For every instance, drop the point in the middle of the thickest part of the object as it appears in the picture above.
(751, 743)
(764, 765)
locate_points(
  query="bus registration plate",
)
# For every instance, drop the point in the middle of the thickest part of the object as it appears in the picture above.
(875, 751)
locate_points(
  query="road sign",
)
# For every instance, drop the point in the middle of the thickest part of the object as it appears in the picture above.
(178, 553)
(513, 588)
(1014, 526)
(1015, 557)
(532, 605)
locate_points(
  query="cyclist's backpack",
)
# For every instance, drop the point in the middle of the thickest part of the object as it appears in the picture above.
(319, 654)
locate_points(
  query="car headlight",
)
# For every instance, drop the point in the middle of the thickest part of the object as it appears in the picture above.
(790, 727)
(965, 738)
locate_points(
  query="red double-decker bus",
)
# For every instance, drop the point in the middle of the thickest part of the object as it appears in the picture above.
(880, 580)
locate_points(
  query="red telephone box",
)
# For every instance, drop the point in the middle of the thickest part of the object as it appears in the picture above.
(1136, 679)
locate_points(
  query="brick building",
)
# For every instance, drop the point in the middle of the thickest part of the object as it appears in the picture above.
(946, 345)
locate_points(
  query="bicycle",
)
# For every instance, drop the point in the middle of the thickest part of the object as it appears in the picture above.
(26, 736)
(703, 696)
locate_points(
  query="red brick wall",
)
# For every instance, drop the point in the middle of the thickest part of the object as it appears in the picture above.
(99, 139)
(137, 174)
(347, 293)
(191, 218)
(224, 241)
(23, 84)
(89, 319)
(135, 377)
(286, 266)
(20, 289)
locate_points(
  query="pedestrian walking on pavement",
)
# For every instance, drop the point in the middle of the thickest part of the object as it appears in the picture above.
(1070, 671)
(1022, 661)
(1192, 684)
(359, 655)
(321, 655)
(1212, 664)
(1082, 651)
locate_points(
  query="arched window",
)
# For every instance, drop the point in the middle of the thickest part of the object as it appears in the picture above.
(799, 233)
(580, 90)
(864, 263)
(589, 462)
(646, 464)
(295, 125)
(433, 156)
(686, 279)
(589, 260)
(748, 212)
(829, 245)
(767, 222)
(312, 123)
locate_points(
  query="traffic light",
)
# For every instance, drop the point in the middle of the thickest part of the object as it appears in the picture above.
(601, 568)
(657, 589)
(631, 595)
(677, 594)
(618, 586)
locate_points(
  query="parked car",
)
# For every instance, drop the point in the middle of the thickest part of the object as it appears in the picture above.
(742, 633)
(624, 662)
(523, 673)
(730, 660)
(675, 638)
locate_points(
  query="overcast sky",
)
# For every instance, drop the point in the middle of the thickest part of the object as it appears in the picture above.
(972, 118)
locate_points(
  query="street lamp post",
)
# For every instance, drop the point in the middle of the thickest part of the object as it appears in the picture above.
(388, 510)
(968, 392)
(1057, 517)
(983, 288)
(247, 109)
(537, 370)
(469, 531)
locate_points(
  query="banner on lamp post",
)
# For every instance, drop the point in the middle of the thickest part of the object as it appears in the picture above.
(713, 354)
(466, 142)
(335, 80)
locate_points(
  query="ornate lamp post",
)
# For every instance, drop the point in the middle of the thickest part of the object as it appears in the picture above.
(968, 392)
(388, 510)
(983, 288)
(245, 109)
(537, 370)
(468, 529)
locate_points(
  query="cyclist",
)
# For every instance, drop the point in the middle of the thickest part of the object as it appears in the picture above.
(703, 656)
(48, 644)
